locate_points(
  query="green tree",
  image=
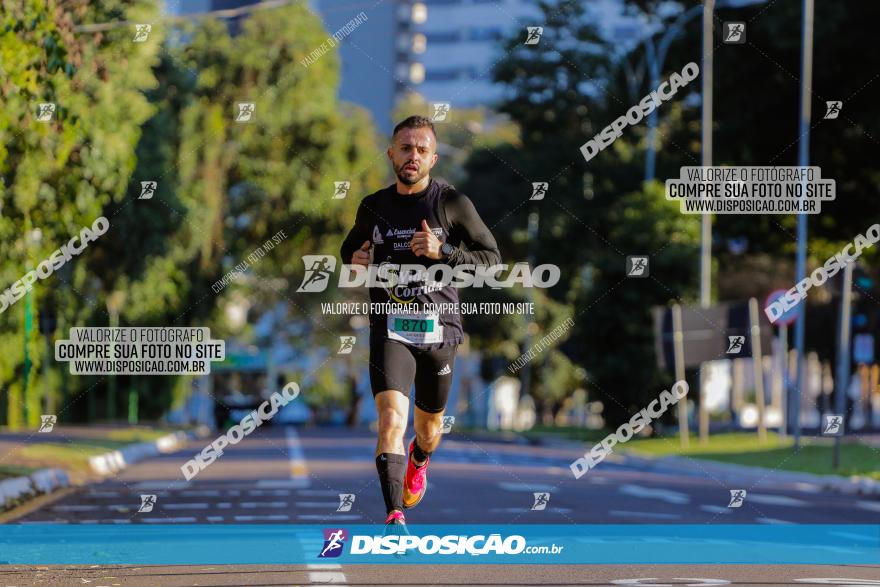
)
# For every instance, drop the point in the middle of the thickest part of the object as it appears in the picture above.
(60, 175)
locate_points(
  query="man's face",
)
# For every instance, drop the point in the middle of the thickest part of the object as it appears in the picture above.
(413, 154)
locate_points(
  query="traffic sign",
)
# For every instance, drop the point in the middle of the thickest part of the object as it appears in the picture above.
(863, 348)
(790, 315)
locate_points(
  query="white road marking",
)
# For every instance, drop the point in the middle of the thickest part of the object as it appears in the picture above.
(766, 499)
(525, 509)
(263, 504)
(318, 504)
(298, 469)
(653, 515)
(807, 487)
(328, 517)
(76, 508)
(662, 494)
(224, 505)
(160, 485)
(326, 577)
(527, 487)
(715, 509)
(185, 506)
(269, 518)
(215, 518)
(871, 506)
(318, 492)
(273, 492)
(289, 483)
(201, 492)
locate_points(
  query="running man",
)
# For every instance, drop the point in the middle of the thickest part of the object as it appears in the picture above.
(424, 221)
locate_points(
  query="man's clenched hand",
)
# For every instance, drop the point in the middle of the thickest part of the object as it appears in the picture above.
(362, 255)
(425, 243)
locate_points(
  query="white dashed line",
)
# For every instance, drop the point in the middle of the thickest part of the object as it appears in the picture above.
(715, 509)
(251, 505)
(784, 500)
(871, 506)
(327, 577)
(666, 495)
(268, 518)
(527, 487)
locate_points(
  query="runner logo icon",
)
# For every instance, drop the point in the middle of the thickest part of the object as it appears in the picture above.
(147, 503)
(534, 34)
(318, 270)
(832, 109)
(346, 500)
(539, 190)
(541, 500)
(736, 498)
(735, 344)
(340, 189)
(334, 540)
(833, 425)
(637, 267)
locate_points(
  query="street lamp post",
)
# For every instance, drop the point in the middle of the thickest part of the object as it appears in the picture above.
(803, 160)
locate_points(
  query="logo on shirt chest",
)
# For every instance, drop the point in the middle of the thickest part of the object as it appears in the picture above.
(402, 234)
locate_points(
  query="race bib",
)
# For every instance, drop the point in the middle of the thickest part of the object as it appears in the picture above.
(415, 328)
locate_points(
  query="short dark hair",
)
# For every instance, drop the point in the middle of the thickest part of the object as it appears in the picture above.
(414, 122)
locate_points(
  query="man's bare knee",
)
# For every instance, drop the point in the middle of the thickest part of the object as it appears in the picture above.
(427, 428)
(391, 420)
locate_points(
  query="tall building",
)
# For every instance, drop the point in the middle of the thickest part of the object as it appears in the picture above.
(442, 49)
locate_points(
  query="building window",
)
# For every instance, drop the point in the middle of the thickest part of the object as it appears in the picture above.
(416, 73)
(419, 13)
(419, 43)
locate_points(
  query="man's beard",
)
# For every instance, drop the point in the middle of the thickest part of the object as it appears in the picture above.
(420, 175)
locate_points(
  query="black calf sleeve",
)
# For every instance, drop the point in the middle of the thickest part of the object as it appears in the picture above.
(392, 468)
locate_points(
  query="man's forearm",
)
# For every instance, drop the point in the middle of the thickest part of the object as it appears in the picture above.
(487, 254)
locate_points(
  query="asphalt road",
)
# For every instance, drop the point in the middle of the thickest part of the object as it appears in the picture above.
(286, 476)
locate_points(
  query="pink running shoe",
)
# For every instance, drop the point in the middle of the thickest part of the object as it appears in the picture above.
(415, 483)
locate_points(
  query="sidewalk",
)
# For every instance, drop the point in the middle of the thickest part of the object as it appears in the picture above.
(855, 485)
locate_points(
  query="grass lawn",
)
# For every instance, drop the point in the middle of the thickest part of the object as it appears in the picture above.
(74, 455)
(9, 471)
(814, 456)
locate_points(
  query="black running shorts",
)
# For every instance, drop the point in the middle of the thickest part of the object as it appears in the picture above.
(395, 365)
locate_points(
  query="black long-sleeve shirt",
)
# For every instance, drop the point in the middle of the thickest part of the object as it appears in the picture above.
(388, 220)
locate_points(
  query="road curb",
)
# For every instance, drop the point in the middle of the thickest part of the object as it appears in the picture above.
(854, 485)
(117, 460)
(37, 483)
